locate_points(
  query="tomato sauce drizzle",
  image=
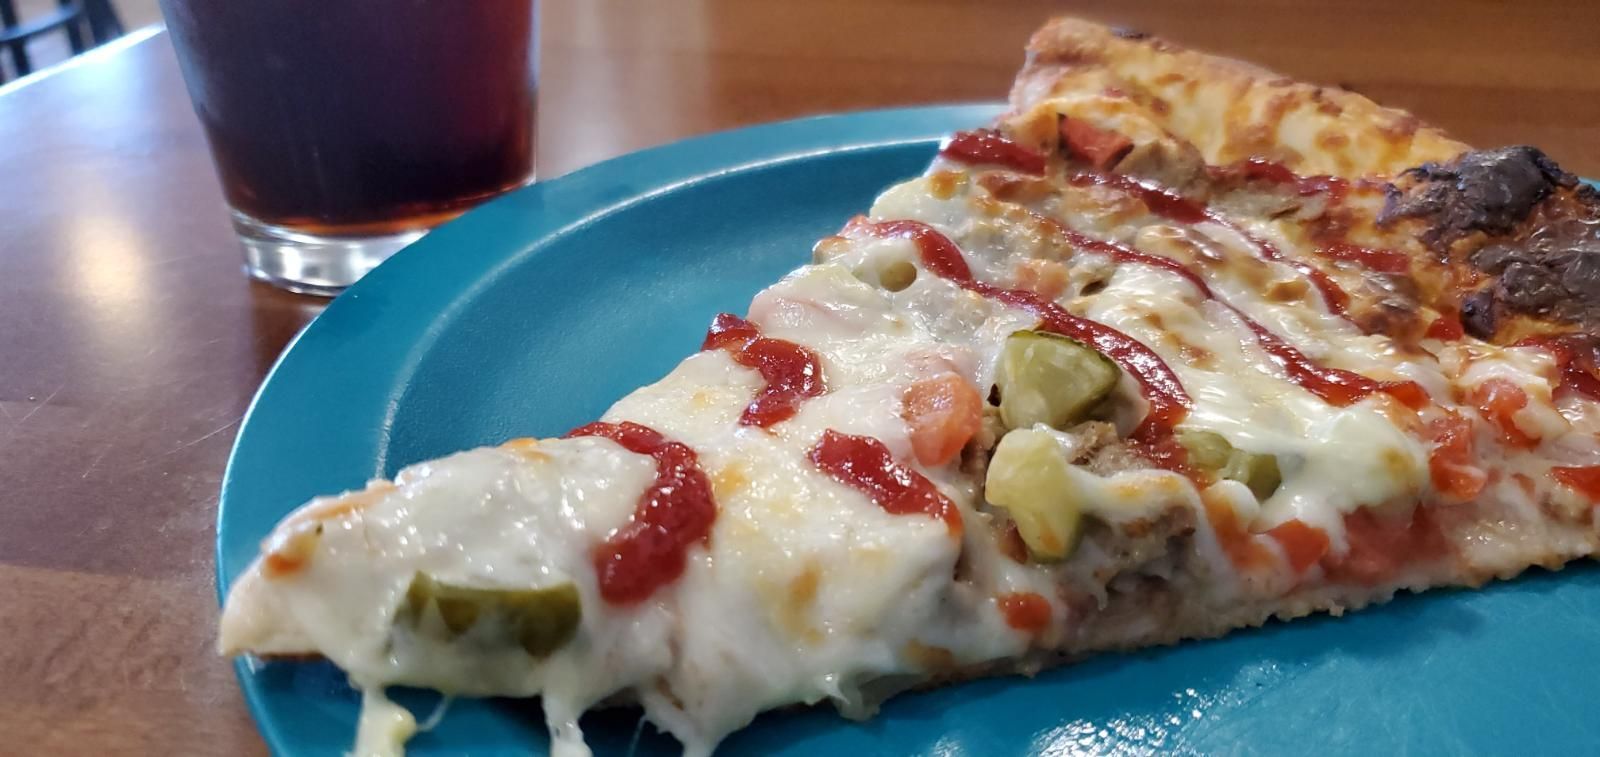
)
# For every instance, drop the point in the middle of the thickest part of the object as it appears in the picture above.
(1578, 357)
(988, 147)
(1169, 403)
(793, 373)
(1261, 169)
(674, 514)
(1180, 209)
(865, 464)
(1025, 611)
(1382, 261)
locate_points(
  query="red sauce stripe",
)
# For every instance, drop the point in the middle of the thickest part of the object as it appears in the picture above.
(674, 514)
(1261, 169)
(1180, 209)
(792, 373)
(865, 464)
(988, 147)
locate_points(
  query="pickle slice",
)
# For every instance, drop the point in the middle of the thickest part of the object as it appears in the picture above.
(1028, 477)
(1210, 452)
(1255, 470)
(539, 620)
(1051, 379)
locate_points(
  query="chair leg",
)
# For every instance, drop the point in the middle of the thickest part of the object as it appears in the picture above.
(19, 48)
(104, 24)
(75, 27)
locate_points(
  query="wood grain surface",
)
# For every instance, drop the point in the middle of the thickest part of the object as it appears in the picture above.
(130, 343)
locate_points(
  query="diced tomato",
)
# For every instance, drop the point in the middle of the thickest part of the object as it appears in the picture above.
(1450, 465)
(1499, 399)
(1578, 358)
(943, 412)
(1410, 393)
(1379, 546)
(1100, 148)
(1242, 548)
(1445, 328)
(1303, 545)
(1584, 479)
(1025, 611)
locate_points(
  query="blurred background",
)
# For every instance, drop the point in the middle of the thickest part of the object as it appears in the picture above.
(37, 34)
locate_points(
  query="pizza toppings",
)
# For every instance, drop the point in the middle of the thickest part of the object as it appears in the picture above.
(1030, 477)
(1583, 479)
(539, 620)
(1335, 386)
(1165, 395)
(989, 147)
(1260, 169)
(792, 373)
(1051, 379)
(1500, 400)
(1168, 205)
(1211, 453)
(1100, 148)
(943, 413)
(1180, 209)
(866, 465)
(1025, 611)
(1380, 545)
(1446, 327)
(674, 514)
(1450, 467)
(1303, 546)
(1577, 356)
(1382, 261)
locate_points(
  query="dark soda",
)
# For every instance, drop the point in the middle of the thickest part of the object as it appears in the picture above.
(360, 117)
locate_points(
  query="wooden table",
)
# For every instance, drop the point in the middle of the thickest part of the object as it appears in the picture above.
(130, 343)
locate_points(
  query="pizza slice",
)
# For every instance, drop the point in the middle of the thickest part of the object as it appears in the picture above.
(1175, 347)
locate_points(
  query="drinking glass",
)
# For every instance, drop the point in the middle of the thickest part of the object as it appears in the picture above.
(342, 130)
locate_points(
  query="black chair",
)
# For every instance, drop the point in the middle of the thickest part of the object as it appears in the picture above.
(86, 23)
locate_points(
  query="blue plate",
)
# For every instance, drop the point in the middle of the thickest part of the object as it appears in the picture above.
(531, 314)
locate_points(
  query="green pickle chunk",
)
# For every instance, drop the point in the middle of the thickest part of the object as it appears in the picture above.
(539, 620)
(1029, 477)
(1051, 379)
(1210, 452)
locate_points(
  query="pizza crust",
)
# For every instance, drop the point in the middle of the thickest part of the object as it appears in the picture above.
(1227, 109)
